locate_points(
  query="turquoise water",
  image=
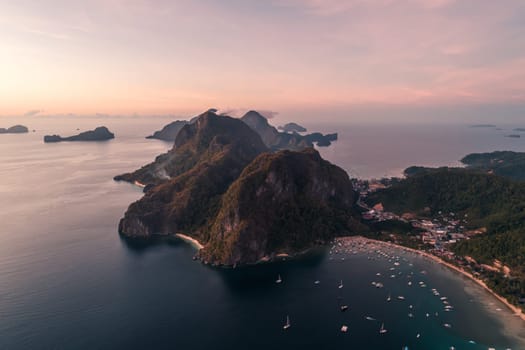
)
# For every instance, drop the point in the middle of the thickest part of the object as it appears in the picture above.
(68, 281)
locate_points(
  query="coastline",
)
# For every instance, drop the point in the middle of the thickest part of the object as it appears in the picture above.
(517, 311)
(192, 241)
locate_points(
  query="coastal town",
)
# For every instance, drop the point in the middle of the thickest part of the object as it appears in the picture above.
(434, 235)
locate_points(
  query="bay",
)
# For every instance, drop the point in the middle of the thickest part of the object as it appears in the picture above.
(68, 281)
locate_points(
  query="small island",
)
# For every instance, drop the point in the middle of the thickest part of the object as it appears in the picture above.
(99, 134)
(292, 127)
(483, 126)
(17, 129)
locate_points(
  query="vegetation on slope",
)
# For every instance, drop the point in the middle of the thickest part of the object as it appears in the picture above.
(504, 163)
(489, 201)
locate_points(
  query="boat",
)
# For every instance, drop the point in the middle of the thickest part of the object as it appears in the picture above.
(388, 298)
(317, 282)
(400, 297)
(279, 279)
(418, 335)
(344, 308)
(340, 284)
(287, 324)
(344, 328)
(382, 330)
(447, 325)
(368, 318)
(411, 315)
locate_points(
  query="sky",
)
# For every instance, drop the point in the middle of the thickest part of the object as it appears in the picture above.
(382, 59)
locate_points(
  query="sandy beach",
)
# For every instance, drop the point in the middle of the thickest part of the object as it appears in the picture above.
(517, 311)
(190, 240)
(139, 184)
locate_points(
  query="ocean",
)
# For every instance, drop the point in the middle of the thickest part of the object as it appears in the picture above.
(68, 281)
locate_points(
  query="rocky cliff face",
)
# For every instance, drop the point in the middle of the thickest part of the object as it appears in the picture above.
(283, 202)
(169, 132)
(186, 184)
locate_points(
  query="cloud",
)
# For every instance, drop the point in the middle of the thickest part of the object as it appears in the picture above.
(334, 7)
(239, 112)
(33, 112)
(47, 34)
(268, 114)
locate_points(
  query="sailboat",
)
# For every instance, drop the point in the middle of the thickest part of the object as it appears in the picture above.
(382, 330)
(341, 284)
(279, 279)
(287, 324)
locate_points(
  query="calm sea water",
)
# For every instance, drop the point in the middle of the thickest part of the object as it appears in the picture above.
(67, 281)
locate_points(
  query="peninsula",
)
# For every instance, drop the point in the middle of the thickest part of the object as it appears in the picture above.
(508, 164)
(99, 134)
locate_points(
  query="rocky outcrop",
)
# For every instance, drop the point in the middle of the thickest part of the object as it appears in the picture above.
(276, 140)
(17, 129)
(283, 202)
(320, 139)
(99, 134)
(292, 127)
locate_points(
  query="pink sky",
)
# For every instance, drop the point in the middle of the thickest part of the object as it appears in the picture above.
(162, 56)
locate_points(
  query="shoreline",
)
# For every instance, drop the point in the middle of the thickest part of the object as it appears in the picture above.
(517, 311)
(192, 241)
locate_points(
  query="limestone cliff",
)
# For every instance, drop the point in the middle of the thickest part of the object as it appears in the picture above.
(283, 202)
